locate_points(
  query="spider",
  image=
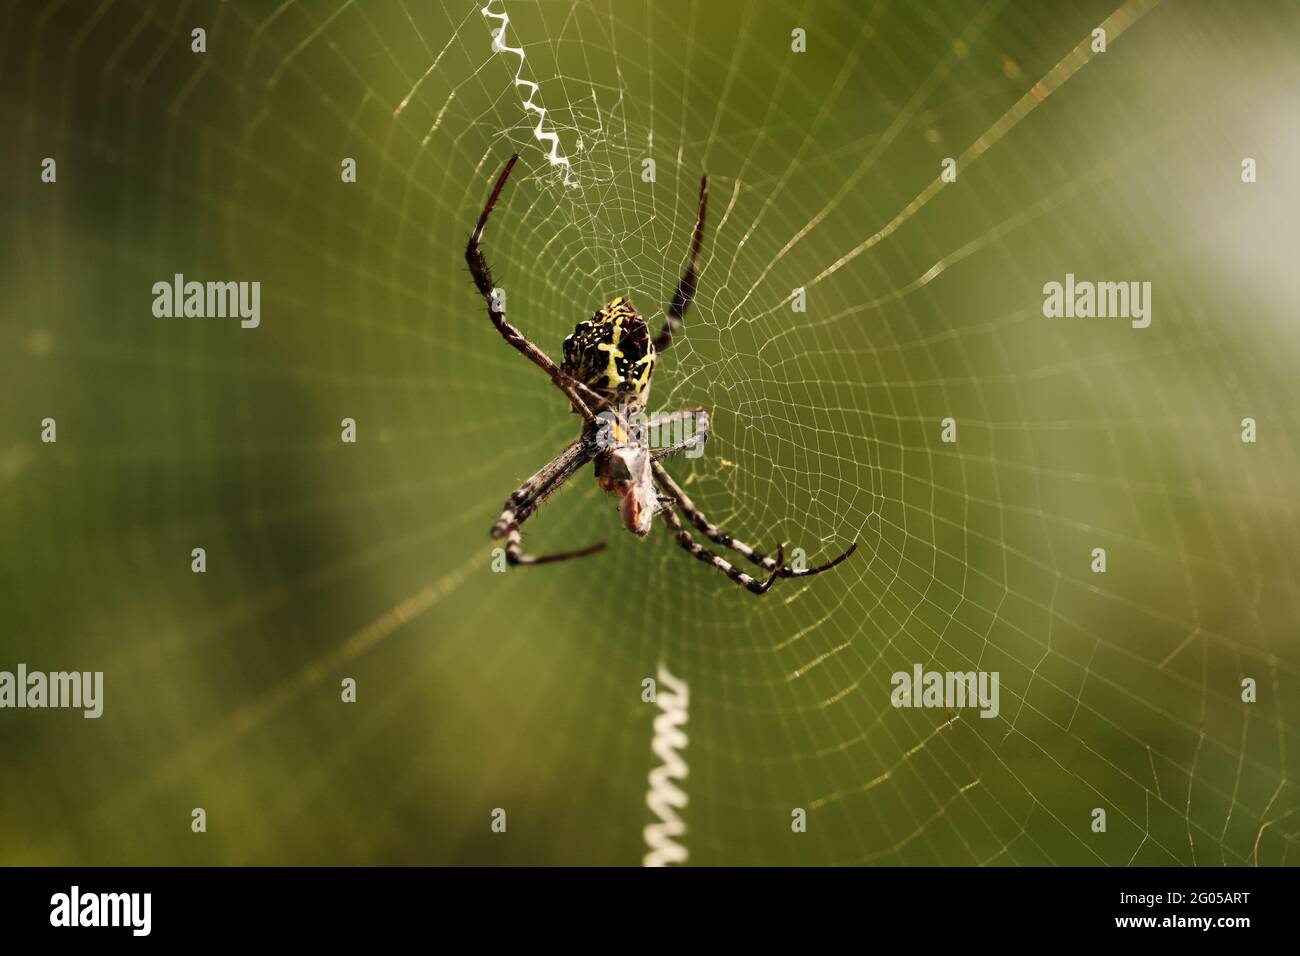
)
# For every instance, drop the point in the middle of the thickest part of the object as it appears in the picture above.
(605, 374)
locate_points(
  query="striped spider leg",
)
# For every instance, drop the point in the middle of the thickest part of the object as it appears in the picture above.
(711, 531)
(529, 496)
(685, 293)
(580, 396)
(697, 550)
(673, 423)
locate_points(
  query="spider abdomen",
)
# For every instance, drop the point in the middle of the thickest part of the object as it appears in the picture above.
(612, 353)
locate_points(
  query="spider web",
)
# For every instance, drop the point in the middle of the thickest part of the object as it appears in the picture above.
(477, 690)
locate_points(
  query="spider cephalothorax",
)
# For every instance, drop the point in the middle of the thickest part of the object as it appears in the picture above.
(608, 362)
(612, 353)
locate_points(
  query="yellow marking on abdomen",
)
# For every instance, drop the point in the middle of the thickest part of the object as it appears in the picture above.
(614, 352)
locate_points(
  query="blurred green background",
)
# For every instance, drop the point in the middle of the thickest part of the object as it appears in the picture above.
(522, 690)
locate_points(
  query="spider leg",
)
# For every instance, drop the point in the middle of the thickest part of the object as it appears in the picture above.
(696, 550)
(717, 535)
(529, 496)
(662, 426)
(516, 555)
(686, 287)
(580, 396)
